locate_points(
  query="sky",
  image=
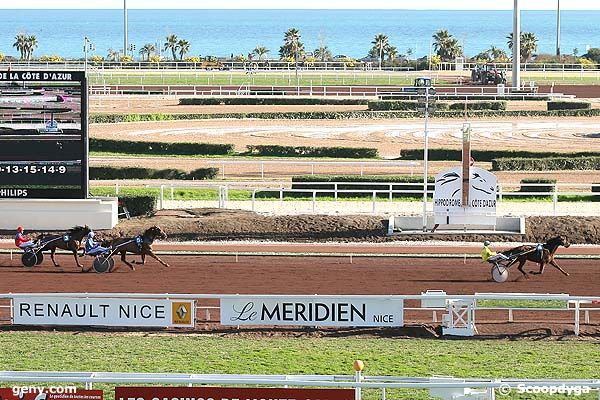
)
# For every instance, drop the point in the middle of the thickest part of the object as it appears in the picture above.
(309, 4)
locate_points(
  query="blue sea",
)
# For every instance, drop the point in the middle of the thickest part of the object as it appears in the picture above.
(348, 32)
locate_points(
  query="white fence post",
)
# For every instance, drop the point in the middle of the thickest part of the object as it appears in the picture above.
(374, 201)
(160, 199)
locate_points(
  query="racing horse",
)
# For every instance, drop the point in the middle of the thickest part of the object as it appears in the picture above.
(541, 254)
(71, 240)
(141, 245)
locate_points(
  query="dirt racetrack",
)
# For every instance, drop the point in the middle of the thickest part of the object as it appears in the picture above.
(328, 275)
(295, 275)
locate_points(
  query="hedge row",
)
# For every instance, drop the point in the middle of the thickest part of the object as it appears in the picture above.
(375, 183)
(487, 155)
(546, 164)
(309, 151)
(115, 118)
(569, 105)
(135, 147)
(463, 97)
(105, 172)
(269, 101)
(393, 105)
(527, 188)
(138, 205)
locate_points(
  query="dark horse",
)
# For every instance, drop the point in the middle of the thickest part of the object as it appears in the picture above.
(71, 240)
(141, 245)
(543, 256)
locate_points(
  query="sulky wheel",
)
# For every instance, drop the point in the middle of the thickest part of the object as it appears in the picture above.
(499, 273)
(29, 259)
(103, 264)
(40, 258)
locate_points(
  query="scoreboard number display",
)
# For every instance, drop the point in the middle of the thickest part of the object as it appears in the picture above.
(43, 135)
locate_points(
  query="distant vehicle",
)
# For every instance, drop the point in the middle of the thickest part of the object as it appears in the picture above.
(212, 62)
(487, 74)
(340, 57)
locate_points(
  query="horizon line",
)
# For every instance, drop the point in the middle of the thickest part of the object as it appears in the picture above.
(309, 9)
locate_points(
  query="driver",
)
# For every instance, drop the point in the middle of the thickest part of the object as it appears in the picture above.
(92, 247)
(22, 241)
(488, 254)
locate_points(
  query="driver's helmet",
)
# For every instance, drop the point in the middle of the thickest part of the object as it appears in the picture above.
(487, 243)
(91, 235)
(20, 229)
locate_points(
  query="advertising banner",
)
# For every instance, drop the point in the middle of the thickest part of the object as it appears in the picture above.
(312, 311)
(448, 200)
(222, 393)
(103, 312)
(29, 392)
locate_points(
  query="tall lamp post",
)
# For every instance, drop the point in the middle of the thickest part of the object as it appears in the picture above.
(125, 27)
(558, 29)
(87, 46)
(516, 47)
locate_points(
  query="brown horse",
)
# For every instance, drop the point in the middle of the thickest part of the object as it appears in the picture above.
(141, 245)
(542, 256)
(71, 240)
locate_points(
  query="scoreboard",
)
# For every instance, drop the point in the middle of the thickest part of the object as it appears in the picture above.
(43, 134)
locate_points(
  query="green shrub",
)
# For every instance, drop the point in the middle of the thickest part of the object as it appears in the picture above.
(569, 105)
(139, 205)
(596, 189)
(480, 105)
(115, 118)
(203, 173)
(526, 185)
(487, 155)
(109, 173)
(270, 101)
(371, 183)
(159, 148)
(546, 164)
(309, 151)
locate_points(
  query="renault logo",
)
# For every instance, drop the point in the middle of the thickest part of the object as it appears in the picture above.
(181, 311)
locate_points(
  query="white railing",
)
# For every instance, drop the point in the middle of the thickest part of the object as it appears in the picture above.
(439, 387)
(377, 193)
(277, 65)
(430, 302)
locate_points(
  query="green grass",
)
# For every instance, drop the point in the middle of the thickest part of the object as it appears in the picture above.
(241, 194)
(235, 355)
(521, 304)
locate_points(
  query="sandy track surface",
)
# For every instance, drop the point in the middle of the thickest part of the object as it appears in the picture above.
(390, 137)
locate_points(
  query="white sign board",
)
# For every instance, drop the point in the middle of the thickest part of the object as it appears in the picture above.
(103, 312)
(312, 311)
(447, 198)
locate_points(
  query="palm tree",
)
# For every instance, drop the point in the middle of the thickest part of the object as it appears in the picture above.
(31, 45)
(497, 54)
(446, 46)
(392, 53)
(147, 50)
(260, 51)
(171, 43)
(184, 48)
(113, 55)
(323, 54)
(528, 44)
(380, 42)
(20, 44)
(292, 45)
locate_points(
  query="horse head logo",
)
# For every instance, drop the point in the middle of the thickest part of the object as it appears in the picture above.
(478, 182)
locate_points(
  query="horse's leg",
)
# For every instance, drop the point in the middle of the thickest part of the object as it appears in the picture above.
(555, 264)
(52, 257)
(520, 267)
(151, 254)
(541, 271)
(75, 255)
(125, 260)
(143, 258)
